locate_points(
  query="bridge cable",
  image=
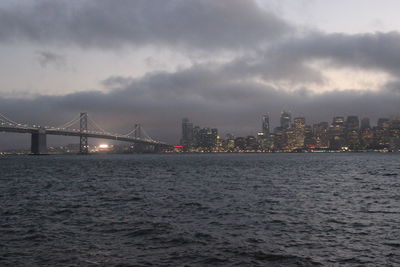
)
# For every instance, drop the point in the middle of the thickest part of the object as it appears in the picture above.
(5, 119)
(147, 135)
(98, 127)
(131, 132)
(70, 123)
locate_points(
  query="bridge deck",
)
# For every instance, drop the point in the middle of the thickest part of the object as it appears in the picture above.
(78, 134)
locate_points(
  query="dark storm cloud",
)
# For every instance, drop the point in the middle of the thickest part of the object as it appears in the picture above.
(205, 24)
(160, 100)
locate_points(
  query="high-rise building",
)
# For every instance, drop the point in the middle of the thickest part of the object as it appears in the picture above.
(309, 140)
(286, 118)
(352, 123)
(321, 134)
(265, 125)
(383, 123)
(365, 124)
(336, 134)
(299, 131)
(187, 133)
(352, 132)
(207, 139)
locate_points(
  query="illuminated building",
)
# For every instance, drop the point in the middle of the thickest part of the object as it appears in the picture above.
(299, 131)
(240, 143)
(262, 140)
(336, 133)
(280, 139)
(351, 132)
(230, 143)
(207, 139)
(251, 143)
(321, 134)
(290, 143)
(309, 140)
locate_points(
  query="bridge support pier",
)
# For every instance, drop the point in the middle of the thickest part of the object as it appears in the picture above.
(38, 142)
(83, 140)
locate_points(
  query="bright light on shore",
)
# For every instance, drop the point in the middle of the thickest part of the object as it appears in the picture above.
(103, 146)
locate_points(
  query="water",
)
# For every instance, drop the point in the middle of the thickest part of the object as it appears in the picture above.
(200, 210)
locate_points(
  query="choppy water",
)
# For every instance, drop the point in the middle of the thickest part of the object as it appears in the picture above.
(200, 210)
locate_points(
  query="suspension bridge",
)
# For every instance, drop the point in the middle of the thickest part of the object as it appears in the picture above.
(82, 126)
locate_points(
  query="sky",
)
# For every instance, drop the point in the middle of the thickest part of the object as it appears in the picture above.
(221, 63)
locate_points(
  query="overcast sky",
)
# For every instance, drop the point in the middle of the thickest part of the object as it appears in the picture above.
(220, 63)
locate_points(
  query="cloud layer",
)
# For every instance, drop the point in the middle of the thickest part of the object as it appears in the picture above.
(204, 25)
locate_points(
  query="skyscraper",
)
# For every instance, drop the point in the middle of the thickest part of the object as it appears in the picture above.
(265, 125)
(286, 118)
(352, 132)
(187, 133)
(352, 123)
(299, 131)
(365, 124)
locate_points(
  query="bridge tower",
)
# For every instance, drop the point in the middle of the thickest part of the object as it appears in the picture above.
(38, 142)
(138, 132)
(83, 142)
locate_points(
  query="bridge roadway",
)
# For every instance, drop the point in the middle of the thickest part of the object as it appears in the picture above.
(39, 139)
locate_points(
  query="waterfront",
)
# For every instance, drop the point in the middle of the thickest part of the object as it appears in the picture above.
(200, 209)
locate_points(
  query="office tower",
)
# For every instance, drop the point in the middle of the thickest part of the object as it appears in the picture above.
(383, 123)
(207, 139)
(280, 139)
(265, 125)
(336, 133)
(299, 132)
(352, 132)
(285, 120)
(187, 133)
(365, 124)
(309, 140)
(262, 141)
(366, 134)
(352, 123)
(321, 134)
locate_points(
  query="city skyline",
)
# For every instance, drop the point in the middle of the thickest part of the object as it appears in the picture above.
(341, 133)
